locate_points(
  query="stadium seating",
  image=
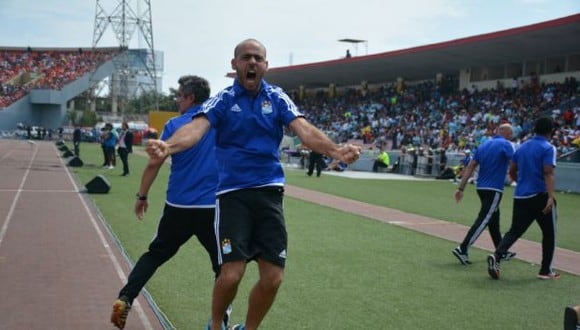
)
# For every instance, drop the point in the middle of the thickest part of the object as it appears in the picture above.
(422, 115)
(22, 70)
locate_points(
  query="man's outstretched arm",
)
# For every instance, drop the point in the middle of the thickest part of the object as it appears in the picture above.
(316, 140)
(185, 137)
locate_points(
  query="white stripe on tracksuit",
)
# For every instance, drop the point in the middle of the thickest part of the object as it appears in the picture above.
(492, 209)
(216, 227)
(554, 217)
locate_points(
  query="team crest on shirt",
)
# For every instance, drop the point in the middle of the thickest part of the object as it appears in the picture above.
(266, 107)
(226, 246)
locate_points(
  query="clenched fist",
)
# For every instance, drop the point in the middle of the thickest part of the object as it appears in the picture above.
(157, 149)
(349, 153)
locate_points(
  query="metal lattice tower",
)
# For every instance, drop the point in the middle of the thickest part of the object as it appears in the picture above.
(124, 20)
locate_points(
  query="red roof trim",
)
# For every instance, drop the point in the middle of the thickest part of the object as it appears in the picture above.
(478, 38)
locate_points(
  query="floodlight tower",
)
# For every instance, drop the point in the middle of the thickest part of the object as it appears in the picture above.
(124, 20)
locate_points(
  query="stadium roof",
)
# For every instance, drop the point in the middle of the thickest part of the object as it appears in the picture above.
(555, 38)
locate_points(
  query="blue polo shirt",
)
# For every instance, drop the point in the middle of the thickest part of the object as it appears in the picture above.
(111, 140)
(248, 135)
(193, 178)
(531, 157)
(493, 157)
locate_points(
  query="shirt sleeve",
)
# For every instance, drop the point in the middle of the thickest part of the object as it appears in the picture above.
(550, 156)
(168, 129)
(509, 150)
(214, 108)
(288, 110)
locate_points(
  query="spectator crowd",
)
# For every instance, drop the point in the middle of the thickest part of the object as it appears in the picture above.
(24, 70)
(423, 116)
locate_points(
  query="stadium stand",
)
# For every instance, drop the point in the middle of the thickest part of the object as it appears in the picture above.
(420, 123)
(22, 70)
(422, 116)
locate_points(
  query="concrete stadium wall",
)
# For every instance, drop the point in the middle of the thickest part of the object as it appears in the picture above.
(568, 177)
(567, 174)
(423, 169)
(24, 111)
(18, 112)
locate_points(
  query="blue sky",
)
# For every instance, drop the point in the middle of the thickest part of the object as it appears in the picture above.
(198, 37)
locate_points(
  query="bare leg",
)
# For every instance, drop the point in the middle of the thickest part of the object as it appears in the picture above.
(225, 289)
(263, 293)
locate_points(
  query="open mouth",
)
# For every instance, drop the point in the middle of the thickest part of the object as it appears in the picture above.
(251, 75)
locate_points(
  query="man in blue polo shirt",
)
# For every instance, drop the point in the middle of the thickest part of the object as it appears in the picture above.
(190, 199)
(533, 170)
(493, 158)
(249, 119)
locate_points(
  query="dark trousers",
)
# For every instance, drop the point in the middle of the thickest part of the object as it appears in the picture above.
(317, 161)
(525, 211)
(105, 156)
(77, 145)
(175, 228)
(110, 159)
(488, 217)
(378, 164)
(124, 155)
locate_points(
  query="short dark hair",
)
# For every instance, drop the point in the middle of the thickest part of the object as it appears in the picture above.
(544, 126)
(196, 86)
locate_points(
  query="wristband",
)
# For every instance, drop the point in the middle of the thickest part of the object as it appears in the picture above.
(141, 197)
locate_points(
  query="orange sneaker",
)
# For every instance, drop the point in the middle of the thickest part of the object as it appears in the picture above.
(121, 308)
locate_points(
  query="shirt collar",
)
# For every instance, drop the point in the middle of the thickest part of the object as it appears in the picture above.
(193, 109)
(240, 90)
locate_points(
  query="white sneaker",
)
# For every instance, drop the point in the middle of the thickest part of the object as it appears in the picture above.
(228, 316)
(110, 167)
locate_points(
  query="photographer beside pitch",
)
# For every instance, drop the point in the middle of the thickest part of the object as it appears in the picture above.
(249, 119)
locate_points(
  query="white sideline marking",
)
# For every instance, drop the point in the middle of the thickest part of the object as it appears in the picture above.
(40, 191)
(17, 196)
(6, 155)
(136, 306)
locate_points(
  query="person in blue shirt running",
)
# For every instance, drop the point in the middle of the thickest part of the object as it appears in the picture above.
(249, 118)
(493, 158)
(534, 199)
(190, 199)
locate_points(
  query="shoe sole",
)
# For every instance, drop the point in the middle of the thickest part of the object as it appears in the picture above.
(570, 319)
(459, 257)
(549, 277)
(491, 268)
